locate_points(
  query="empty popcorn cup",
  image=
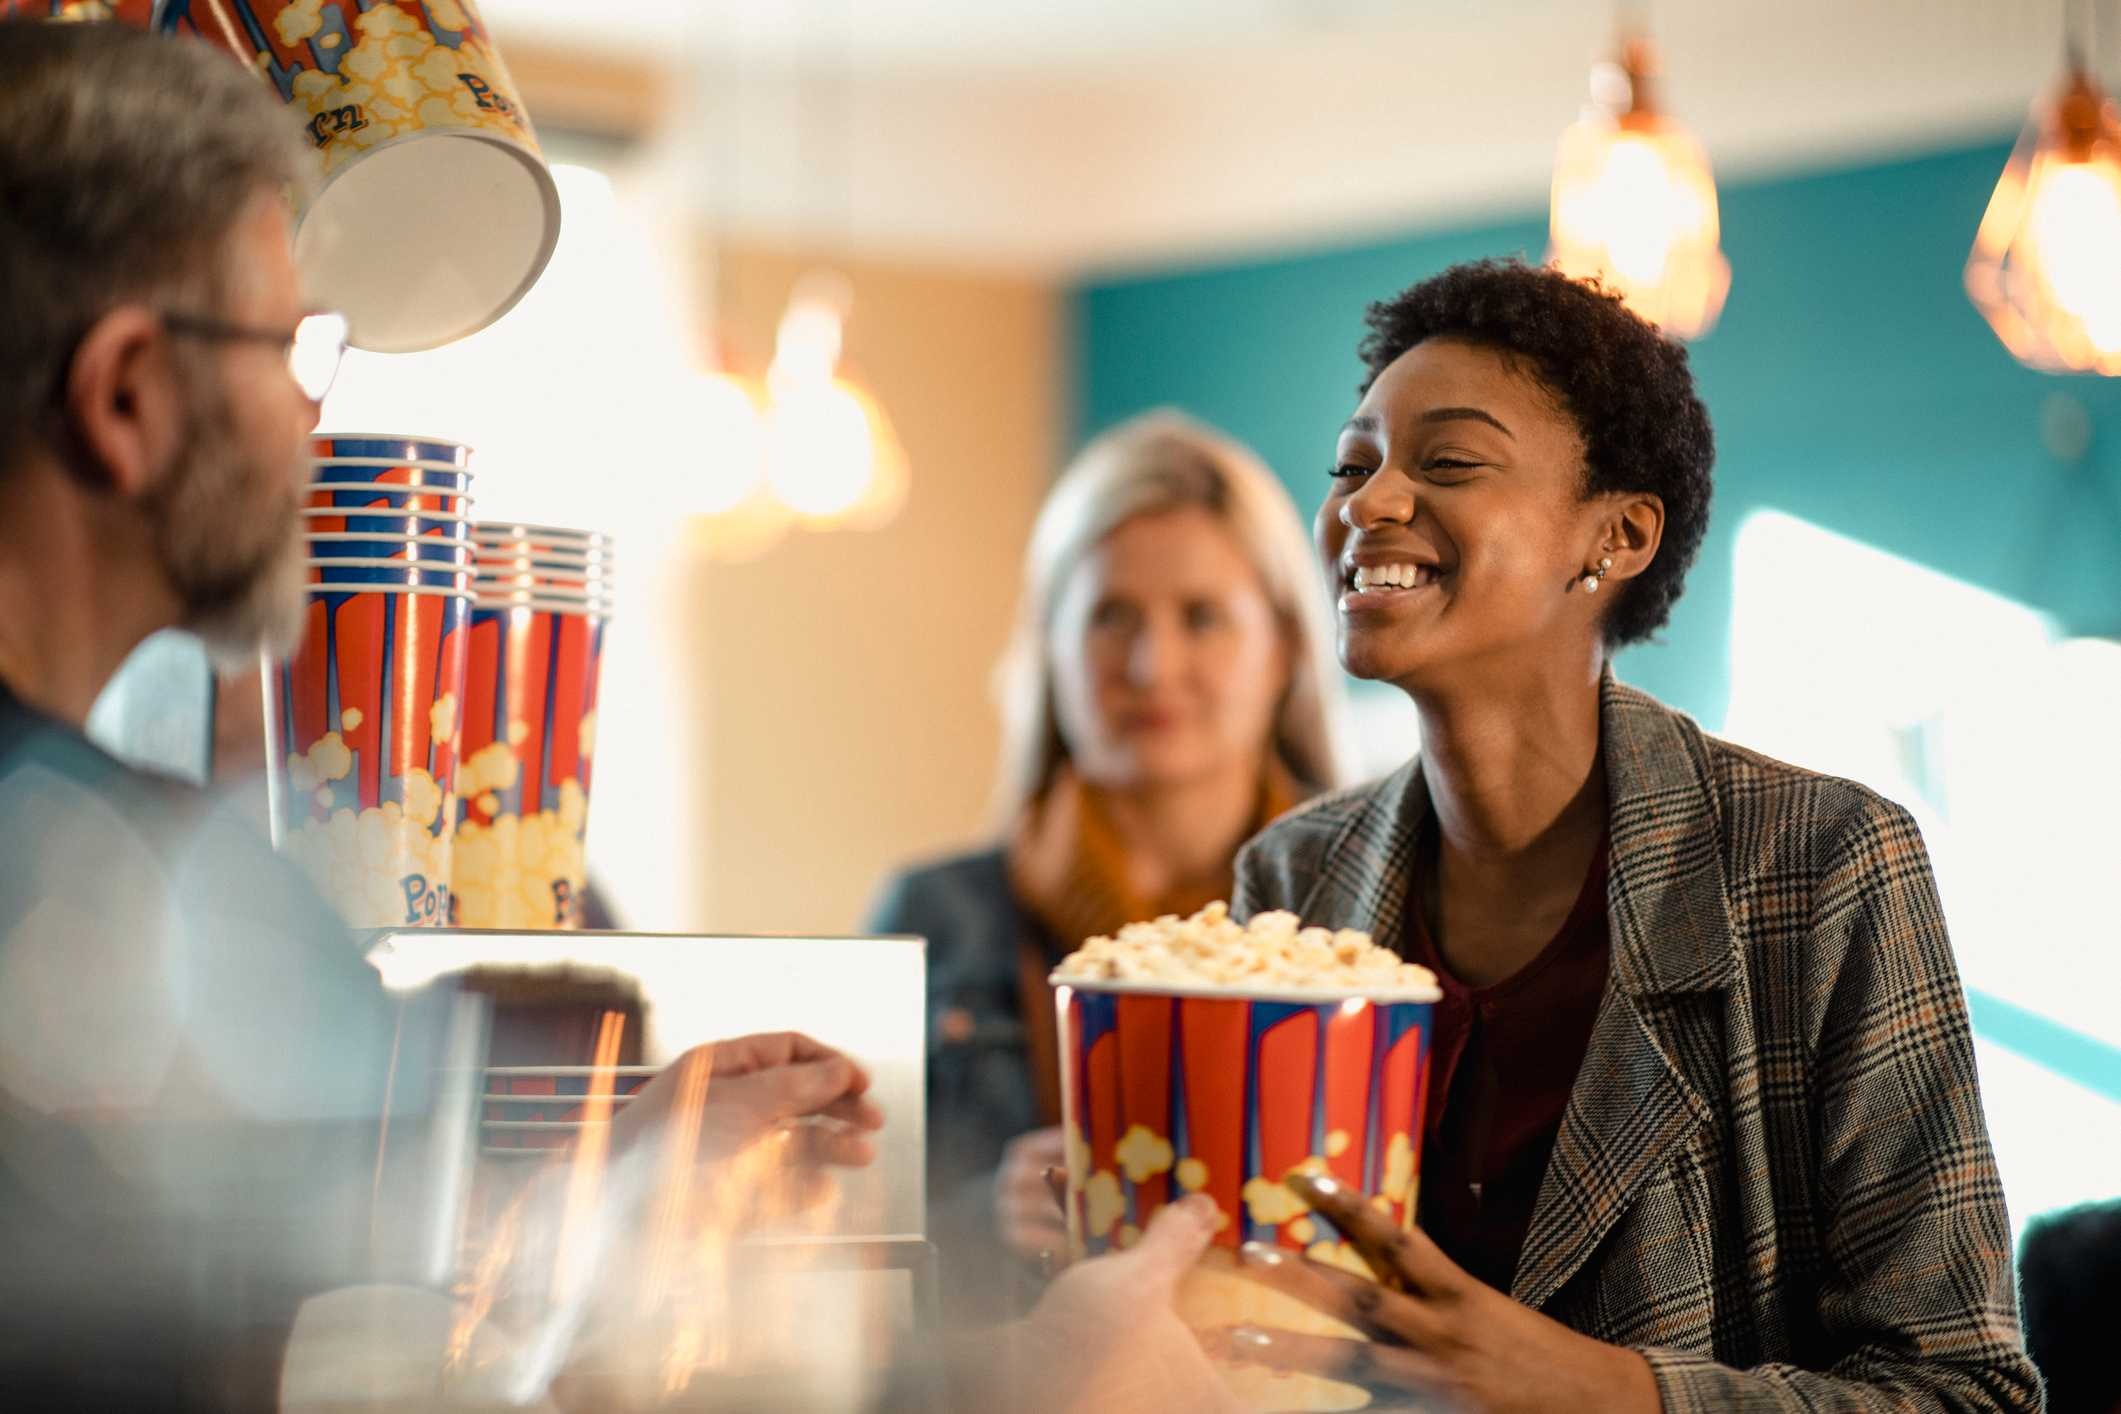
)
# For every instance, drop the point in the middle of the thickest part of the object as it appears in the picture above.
(321, 542)
(361, 741)
(434, 212)
(389, 448)
(387, 574)
(1171, 1086)
(530, 699)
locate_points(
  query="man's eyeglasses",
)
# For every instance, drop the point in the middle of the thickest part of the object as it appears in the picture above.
(314, 349)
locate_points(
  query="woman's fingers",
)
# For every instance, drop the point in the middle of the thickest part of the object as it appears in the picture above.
(1031, 1232)
(1402, 1258)
(1057, 1184)
(1358, 1362)
(1363, 1304)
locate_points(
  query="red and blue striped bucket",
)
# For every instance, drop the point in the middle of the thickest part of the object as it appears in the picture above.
(1170, 1090)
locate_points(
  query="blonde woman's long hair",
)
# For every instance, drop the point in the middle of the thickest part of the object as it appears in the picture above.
(1158, 462)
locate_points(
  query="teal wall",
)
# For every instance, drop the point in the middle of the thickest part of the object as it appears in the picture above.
(1850, 383)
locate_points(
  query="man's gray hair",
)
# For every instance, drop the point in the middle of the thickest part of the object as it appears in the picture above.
(125, 161)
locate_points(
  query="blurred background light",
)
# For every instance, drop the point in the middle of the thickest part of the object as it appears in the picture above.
(1634, 202)
(2046, 265)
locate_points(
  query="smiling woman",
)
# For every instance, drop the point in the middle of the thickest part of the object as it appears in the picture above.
(1705, 1129)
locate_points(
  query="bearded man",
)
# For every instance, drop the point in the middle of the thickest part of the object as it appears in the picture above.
(195, 1061)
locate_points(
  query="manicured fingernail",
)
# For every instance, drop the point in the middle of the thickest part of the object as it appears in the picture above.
(1323, 1184)
(1249, 1338)
(1259, 1254)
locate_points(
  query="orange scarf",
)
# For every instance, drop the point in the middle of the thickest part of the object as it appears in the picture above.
(1068, 868)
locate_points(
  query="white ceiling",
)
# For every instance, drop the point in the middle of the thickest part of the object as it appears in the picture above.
(942, 32)
(1101, 133)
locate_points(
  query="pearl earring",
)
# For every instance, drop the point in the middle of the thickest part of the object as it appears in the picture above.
(1593, 580)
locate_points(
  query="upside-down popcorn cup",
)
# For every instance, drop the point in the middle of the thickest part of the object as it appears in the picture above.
(361, 744)
(530, 701)
(1168, 1090)
(434, 212)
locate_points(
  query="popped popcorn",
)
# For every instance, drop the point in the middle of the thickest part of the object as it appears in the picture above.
(1143, 1154)
(519, 871)
(493, 767)
(1079, 1160)
(1274, 952)
(442, 718)
(1272, 1202)
(1192, 1174)
(1399, 1169)
(399, 79)
(377, 868)
(1105, 1201)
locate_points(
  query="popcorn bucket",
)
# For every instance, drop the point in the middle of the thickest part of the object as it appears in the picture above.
(1168, 1090)
(361, 741)
(434, 213)
(530, 699)
(1172, 1090)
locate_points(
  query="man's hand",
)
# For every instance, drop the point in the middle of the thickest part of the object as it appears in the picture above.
(746, 1088)
(1106, 1335)
(1031, 1224)
(1433, 1328)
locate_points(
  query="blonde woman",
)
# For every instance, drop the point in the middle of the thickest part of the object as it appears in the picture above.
(1170, 689)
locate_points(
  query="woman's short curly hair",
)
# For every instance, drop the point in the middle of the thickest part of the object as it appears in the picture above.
(1627, 387)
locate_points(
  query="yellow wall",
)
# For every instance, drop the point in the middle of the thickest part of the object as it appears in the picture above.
(837, 687)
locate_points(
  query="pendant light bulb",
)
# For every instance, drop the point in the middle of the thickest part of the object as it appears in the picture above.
(1634, 202)
(2045, 270)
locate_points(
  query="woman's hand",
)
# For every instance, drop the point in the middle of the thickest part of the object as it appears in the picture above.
(1433, 1328)
(1031, 1223)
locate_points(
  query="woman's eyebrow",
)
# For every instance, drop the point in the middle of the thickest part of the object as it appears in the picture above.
(1467, 415)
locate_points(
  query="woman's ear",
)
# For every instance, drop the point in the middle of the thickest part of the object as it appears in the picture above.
(1634, 528)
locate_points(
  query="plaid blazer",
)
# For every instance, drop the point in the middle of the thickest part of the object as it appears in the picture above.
(1773, 1177)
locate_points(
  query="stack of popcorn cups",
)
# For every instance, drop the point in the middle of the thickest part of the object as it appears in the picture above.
(543, 601)
(362, 723)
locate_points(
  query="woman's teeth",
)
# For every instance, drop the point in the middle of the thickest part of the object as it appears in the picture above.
(1403, 576)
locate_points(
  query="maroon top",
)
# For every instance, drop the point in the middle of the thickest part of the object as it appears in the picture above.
(1504, 1059)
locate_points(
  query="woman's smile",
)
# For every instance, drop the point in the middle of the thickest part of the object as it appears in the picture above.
(1386, 580)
